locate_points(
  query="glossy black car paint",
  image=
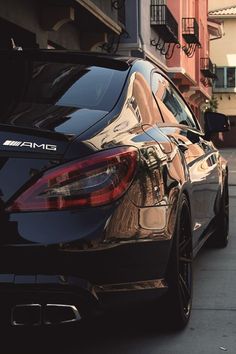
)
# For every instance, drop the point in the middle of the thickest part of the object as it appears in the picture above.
(114, 249)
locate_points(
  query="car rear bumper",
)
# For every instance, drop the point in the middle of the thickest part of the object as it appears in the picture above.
(33, 300)
(112, 264)
(33, 279)
(43, 299)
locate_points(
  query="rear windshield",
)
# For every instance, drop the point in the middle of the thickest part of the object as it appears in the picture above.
(59, 83)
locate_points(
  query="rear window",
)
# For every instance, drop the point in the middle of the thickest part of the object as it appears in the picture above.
(74, 85)
(59, 83)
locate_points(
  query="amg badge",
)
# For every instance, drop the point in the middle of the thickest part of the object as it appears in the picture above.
(31, 145)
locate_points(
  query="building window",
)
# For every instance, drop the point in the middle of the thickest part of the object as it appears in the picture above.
(230, 77)
(225, 77)
(220, 77)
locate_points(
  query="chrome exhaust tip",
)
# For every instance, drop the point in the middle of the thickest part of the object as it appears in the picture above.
(26, 315)
(55, 314)
(48, 314)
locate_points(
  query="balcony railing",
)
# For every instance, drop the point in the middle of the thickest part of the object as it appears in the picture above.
(119, 5)
(190, 30)
(121, 15)
(164, 23)
(207, 68)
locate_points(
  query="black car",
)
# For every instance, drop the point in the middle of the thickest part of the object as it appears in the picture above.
(109, 187)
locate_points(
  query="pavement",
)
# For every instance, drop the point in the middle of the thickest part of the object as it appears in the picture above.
(211, 330)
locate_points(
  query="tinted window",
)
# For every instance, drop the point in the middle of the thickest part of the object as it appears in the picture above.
(60, 83)
(75, 85)
(172, 106)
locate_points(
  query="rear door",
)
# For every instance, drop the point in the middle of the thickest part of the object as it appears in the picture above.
(200, 156)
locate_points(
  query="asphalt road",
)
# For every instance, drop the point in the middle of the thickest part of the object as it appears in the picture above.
(212, 328)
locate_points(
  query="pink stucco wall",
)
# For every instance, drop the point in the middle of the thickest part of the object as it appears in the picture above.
(197, 9)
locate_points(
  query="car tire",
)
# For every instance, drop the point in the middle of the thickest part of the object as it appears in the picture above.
(177, 303)
(220, 238)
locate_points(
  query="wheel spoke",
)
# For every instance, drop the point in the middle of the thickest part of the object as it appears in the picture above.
(185, 264)
(186, 295)
(183, 245)
(185, 259)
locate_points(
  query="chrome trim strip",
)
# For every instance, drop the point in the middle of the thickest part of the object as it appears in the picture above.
(133, 286)
(113, 244)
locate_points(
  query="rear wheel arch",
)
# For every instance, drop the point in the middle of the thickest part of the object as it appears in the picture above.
(184, 192)
(220, 237)
(177, 302)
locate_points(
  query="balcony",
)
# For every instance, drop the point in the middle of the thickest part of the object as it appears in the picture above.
(119, 5)
(190, 30)
(121, 15)
(208, 69)
(164, 23)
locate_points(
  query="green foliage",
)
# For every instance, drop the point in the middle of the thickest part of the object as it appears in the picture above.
(212, 105)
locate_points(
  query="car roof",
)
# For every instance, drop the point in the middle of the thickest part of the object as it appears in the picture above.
(90, 58)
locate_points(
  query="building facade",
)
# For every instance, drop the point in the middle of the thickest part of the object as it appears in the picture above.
(174, 35)
(224, 54)
(69, 24)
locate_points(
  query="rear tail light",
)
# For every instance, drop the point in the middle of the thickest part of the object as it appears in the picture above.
(93, 181)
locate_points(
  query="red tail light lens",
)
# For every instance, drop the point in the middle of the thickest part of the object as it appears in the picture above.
(96, 180)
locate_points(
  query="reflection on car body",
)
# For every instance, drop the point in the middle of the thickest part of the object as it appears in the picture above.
(118, 209)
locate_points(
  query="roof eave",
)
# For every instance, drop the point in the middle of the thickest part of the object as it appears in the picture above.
(223, 17)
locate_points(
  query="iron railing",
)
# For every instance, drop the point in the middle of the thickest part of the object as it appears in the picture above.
(207, 68)
(119, 5)
(121, 15)
(164, 23)
(190, 30)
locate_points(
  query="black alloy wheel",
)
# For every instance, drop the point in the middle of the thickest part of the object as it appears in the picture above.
(185, 263)
(178, 300)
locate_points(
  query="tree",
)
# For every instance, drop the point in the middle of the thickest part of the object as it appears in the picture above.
(212, 104)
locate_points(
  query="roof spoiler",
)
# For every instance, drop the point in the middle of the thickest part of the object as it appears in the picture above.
(97, 59)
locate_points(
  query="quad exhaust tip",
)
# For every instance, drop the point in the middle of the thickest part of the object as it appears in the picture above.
(48, 314)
